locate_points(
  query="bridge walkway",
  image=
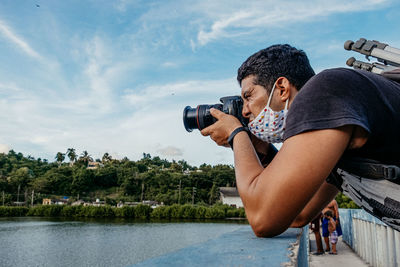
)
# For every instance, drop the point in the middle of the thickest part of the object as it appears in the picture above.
(345, 257)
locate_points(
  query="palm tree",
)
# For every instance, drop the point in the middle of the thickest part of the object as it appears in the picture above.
(71, 155)
(106, 158)
(60, 158)
(85, 158)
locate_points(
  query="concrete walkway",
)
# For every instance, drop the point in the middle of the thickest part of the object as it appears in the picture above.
(345, 257)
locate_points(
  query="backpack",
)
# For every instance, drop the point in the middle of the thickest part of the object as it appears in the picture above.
(364, 180)
(372, 185)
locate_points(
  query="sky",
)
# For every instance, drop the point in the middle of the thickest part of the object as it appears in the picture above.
(115, 76)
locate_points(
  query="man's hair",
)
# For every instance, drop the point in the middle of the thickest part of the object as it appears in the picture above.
(328, 213)
(276, 61)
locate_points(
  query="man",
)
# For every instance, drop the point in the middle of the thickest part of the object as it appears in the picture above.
(319, 119)
(333, 207)
(314, 226)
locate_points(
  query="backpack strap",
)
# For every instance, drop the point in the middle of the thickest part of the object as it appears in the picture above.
(370, 168)
(379, 197)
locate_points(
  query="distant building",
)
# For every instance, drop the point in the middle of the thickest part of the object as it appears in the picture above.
(230, 196)
(92, 165)
(78, 203)
(48, 201)
(151, 203)
(60, 201)
(99, 203)
(120, 204)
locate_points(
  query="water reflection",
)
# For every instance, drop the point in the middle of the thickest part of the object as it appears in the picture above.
(94, 242)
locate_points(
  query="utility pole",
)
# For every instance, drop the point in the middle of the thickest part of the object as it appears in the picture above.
(141, 197)
(33, 193)
(19, 187)
(179, 196)
(194, 191)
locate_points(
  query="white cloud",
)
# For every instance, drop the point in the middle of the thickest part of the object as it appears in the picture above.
(120, 5)
(169, 64)
(15, 39)
(214, 89)
(4, 148)
(170, 151)
(218, 28)
(9, 86)
(151, 122)
(264, 14)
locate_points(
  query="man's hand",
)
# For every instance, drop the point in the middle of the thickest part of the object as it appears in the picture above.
(222, 128)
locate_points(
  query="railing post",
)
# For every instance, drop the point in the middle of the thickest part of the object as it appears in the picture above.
(390, 244)
(365, 239)
(374, 246)
(371, 251)
(380, 250)
(397, 247)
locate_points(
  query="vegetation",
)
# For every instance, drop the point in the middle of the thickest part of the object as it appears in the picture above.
(175, 184)
(149, 178)
(345, 202)
(175, 211)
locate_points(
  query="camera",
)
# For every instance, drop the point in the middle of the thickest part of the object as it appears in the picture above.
(200, 117)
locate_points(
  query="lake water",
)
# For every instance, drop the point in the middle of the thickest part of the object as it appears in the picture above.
(53, 242)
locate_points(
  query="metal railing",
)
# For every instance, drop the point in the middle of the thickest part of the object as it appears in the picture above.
(374, 241)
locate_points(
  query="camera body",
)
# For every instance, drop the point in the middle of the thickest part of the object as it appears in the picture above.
(200, 117)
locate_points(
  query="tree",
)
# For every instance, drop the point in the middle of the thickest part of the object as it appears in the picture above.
(85, 158)
(106, 158)
(71, 154)
(60, 158)
(82, 181)
(213, 194)
(21, 176)
(54, 181)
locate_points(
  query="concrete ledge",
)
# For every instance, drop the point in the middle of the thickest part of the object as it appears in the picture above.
(239, 248)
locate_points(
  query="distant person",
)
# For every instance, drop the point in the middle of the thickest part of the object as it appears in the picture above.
(333, 235)
(333, 207)
(314, 226)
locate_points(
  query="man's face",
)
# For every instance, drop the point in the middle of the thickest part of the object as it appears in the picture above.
(255, 98)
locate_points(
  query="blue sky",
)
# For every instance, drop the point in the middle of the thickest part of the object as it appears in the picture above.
(114, 76)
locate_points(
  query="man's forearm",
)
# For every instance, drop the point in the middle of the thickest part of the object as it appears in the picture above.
(247, 163)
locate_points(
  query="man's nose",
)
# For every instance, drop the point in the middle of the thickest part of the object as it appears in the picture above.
(246, 111)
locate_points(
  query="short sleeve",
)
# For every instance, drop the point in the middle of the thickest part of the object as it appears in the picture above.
(329, 100)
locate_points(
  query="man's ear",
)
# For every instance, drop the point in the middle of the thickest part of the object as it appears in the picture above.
(284, 87)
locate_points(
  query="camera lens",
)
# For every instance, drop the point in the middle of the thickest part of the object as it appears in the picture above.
(190, 118)
(200, 117)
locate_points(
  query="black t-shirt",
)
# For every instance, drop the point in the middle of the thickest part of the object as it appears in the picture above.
(338, 97)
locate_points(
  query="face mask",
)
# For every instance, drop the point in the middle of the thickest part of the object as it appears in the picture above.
(269, 125)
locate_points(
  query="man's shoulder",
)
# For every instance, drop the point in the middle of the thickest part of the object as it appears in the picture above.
(336, 73)
(338, 81)
(327, 82)
(350, 75)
